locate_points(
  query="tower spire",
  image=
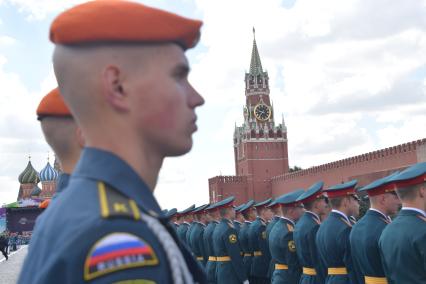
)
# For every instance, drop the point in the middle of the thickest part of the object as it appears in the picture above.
(255, 64)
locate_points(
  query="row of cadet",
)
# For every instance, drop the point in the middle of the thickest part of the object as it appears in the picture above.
(248, 244)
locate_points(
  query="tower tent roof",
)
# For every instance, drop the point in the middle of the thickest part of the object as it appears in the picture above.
(255, 63)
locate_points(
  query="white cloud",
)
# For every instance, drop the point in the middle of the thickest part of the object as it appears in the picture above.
(6, 40)
(20, 132)
(348, 75)
(39, 9)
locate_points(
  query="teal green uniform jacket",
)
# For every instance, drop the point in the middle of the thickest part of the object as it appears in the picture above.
(332, 242)
(244, 243)
(208, 244)
(225, 244)
(237, 226)
(188, 234)
(283, 251)
(365, 251)
(269, 227)
(181, 231)
(94, 230)
(403, 248)
(259, 245)
(304, 235)
(197, 243)
(175, 226)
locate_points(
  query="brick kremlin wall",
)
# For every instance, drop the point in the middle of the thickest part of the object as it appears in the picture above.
(366, 168)
(221, 187)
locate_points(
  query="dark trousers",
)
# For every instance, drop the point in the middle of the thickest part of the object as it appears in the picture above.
(4, 252)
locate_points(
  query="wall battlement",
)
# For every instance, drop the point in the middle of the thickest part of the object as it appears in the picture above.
(228, 180)
(352, 161)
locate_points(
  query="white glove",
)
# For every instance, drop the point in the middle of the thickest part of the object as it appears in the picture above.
(246, 282)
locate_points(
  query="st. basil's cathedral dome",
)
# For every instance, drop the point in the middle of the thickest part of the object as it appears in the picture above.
(48, 173)
(29, 175)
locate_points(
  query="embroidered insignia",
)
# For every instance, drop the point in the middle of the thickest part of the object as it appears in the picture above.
(291, 246)
(232, 238)
(290, 228)
(118, 251)
(264, 235)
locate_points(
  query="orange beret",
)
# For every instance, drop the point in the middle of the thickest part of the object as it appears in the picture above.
(122, 21)
(52, 105)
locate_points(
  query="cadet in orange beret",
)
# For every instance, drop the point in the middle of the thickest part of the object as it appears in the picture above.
(61, 133)
(122, 70)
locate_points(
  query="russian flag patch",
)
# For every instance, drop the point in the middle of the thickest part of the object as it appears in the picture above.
(118, 251)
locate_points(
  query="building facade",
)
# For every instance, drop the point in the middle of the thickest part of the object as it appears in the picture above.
(30, 178)
(261, 152)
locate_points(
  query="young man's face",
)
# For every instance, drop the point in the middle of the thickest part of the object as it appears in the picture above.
(391, 203)
(354, 206)
(164, 102)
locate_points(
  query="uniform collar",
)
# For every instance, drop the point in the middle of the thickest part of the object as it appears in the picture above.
(287, 219)
(187, 223)
(415, 209)
(247, 222)
(314, 215)
(62, 182)
(236, 221)
(341, 214)
(105, 166)
(379, 212)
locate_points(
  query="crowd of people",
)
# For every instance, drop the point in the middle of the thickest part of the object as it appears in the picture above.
(123, 104)
(313, 236)
(307, 236)
(11, 241)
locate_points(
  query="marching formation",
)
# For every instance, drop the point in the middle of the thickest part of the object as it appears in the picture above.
(313, 236)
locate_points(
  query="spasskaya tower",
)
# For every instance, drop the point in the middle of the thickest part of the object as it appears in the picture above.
(260, 145)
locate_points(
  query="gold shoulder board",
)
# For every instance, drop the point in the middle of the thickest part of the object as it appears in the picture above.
(113, 204)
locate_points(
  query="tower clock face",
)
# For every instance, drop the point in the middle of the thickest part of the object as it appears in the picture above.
(262, 112)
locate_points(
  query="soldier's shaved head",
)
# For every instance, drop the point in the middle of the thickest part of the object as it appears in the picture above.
(87, 65)
(138, 92)
(65, 138)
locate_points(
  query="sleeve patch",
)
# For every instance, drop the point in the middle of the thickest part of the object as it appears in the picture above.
(291, 246)
(118, 251)
(232, 238)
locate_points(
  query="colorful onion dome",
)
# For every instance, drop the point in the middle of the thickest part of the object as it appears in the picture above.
(29, 175)
(36, 191)
(48, 173)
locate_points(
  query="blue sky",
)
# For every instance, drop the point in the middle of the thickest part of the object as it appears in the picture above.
(349, 77)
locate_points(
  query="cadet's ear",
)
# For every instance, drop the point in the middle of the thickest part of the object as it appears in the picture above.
(114, 92)
(422, 191)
